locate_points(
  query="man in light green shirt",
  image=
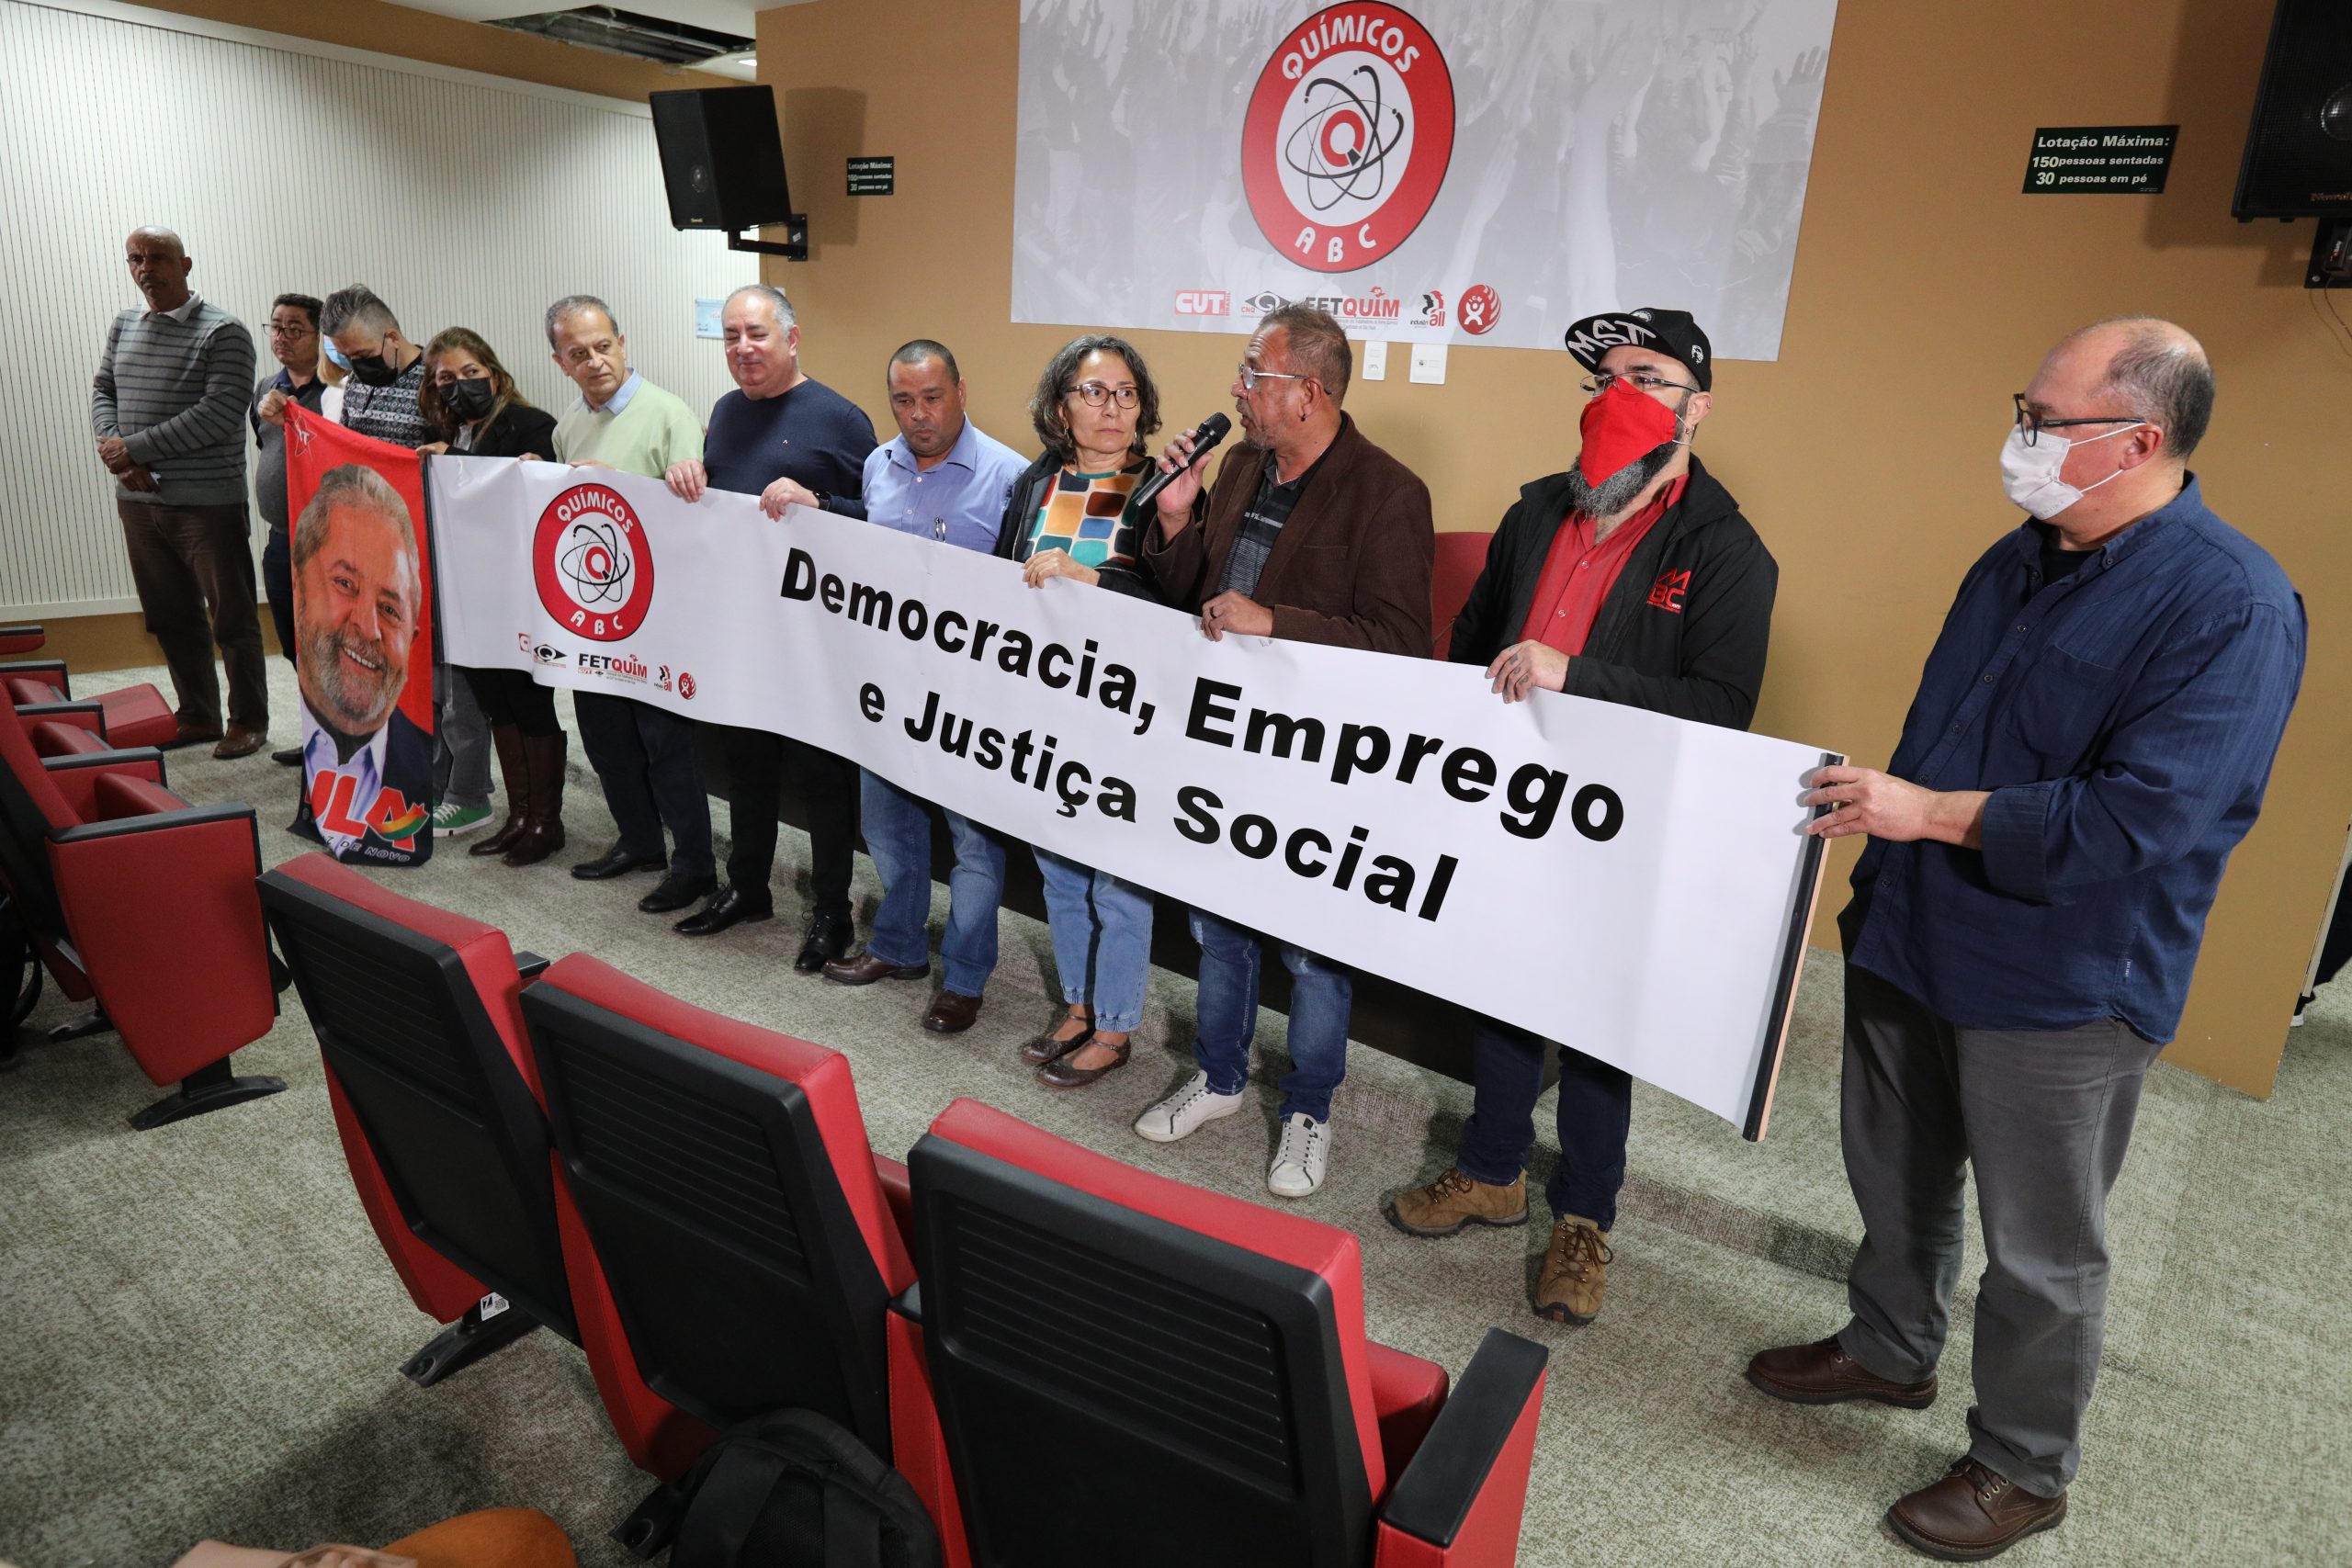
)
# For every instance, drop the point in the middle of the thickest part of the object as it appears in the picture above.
(645, 757)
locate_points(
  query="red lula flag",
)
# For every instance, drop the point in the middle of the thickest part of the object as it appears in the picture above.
(363, 634)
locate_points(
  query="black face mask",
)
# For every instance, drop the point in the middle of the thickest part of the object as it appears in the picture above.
(467, 401)
(373, 370)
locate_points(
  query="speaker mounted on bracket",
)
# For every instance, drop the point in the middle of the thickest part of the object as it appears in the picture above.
(722, 164)
(2299, 150)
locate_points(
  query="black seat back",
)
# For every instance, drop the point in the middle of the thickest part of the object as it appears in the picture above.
(719, 1224)
(1115, 1387)
(456, 1130)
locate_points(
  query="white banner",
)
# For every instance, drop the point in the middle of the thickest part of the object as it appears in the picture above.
(1631, 885)
(1483, 171)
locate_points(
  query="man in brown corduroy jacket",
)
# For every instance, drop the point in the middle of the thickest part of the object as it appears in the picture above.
(1310, 532)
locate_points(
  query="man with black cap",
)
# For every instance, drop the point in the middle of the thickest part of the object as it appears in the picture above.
(1630, 577)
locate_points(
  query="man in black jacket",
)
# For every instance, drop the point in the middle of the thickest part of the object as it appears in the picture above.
(1632, 578)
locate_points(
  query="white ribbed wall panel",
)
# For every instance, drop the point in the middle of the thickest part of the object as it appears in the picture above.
(460, 200)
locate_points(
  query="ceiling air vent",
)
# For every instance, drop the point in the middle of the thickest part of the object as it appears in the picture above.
(616, 31)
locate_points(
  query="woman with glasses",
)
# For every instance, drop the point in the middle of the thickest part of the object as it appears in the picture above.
(1070, 515)
(473, 404)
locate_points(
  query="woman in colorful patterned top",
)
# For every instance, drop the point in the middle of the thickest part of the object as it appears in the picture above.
(1069, 516)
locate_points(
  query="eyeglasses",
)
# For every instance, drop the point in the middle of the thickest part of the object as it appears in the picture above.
(1640, 380)
(1096, 394)
(1251, 377)
(2033, 425)
(296, 330)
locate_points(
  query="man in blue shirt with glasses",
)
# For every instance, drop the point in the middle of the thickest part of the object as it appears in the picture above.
(2090, 740)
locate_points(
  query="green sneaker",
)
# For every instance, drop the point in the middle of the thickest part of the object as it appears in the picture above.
(450, 819)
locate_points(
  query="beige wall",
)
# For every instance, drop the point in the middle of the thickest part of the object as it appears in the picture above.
(1927, 289)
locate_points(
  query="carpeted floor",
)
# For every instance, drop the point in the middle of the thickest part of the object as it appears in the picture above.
(198, 1335)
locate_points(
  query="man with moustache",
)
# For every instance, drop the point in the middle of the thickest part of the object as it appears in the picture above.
(939, 479)
(789, 440)
(1313, 532)
(1630, 577)
(355, 620)
(294, 342)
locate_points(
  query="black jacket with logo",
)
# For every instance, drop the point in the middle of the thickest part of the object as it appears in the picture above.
(1682, 632)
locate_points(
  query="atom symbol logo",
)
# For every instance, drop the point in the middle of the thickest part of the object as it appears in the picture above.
(594, 565)
(1338, 149)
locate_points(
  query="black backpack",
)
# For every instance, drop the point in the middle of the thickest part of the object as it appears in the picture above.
(796, 1487)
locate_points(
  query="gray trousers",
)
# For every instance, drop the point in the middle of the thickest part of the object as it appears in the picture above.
(461, 740)
(2044, 1117)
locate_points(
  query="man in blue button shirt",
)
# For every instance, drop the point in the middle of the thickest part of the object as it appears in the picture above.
(938, 479)
(2091, 738)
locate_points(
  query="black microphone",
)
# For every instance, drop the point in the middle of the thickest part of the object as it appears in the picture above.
(1206, 435)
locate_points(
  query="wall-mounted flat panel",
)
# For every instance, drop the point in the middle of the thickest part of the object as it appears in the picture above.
(462, 201)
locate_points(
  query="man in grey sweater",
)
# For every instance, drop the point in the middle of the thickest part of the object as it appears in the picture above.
(168, 408)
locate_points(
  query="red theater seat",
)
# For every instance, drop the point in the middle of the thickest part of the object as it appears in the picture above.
(130, 716)
(1460, 557)
(1128, 1369)
(417, 1015)
(137, 900)
(18, 641)
(723, 1218)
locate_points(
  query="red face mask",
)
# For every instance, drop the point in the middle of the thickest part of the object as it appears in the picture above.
(1621, 426)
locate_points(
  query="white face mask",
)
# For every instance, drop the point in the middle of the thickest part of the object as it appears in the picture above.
(2030, 474)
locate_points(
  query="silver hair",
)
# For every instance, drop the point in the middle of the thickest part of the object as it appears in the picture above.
(774, 296)
(571, 305)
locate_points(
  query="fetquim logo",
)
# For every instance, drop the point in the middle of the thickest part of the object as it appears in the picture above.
(1348, 136)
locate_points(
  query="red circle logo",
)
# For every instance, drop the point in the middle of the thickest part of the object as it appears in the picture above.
(592, 566)
(1480, 309)
(687, 686)
(1348, 136)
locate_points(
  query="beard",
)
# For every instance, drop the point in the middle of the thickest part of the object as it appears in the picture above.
(350, 701)
(1616, 492)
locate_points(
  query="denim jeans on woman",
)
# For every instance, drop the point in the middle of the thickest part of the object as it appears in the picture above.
(1102, 930)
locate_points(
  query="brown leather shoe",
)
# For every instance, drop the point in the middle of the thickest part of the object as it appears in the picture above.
(952, 1012)
(1822, 1373)
(1576, 1271)
(240, 742)
(862, 968)
(1060, 1074)
(1456, 1202)
(1046, 1048)
(1973, 1513)
(188, 734)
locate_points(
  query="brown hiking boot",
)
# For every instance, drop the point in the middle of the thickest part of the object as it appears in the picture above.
(1576, 1271)
(1454, 1202)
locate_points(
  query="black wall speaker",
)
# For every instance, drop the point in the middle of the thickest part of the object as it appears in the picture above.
(722, 157)
(2298, 154)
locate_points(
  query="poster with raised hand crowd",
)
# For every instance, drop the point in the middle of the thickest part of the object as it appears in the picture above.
(1482, 171)
(1633, 885)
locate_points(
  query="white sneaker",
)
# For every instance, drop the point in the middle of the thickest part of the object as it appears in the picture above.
(1302, 1158)
(1183, 1112)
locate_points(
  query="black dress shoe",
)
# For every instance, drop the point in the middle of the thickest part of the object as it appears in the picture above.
(726, 906)
(618, 861)
(676, 893)
(829, 937)
(290, 757)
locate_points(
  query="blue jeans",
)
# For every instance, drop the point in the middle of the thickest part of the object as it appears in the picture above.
(897, 835)
(1321, 995)
(1102, 930)
(1596, 1110)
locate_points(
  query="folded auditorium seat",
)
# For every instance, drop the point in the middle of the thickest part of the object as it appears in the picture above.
(41, 689)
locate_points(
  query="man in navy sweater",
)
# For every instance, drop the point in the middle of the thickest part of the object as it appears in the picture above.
(790, 441)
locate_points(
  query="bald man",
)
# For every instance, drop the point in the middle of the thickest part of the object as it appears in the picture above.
(2090, 739)
(167, 408)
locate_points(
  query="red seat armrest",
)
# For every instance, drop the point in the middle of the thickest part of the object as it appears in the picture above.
(77, 775)
(56, 738)
(26, 639)
(122, 796)
(50, 671)
(1459, 1504)
(89, 715)
(899, 1194)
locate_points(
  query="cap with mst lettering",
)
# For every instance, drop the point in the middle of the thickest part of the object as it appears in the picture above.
(1664, 332)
